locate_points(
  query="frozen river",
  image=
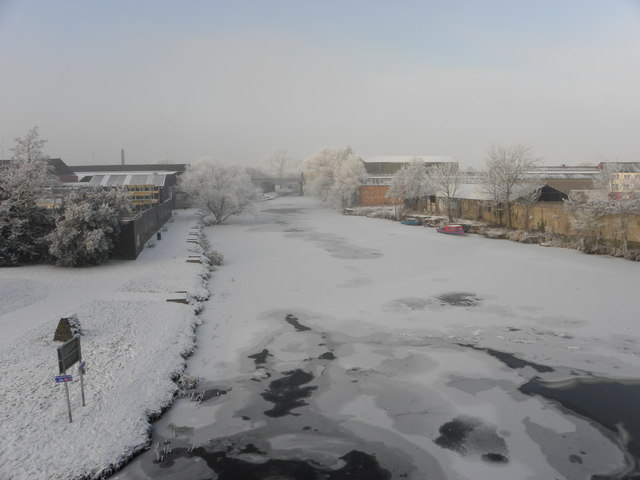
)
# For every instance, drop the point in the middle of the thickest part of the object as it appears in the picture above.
(338, 347)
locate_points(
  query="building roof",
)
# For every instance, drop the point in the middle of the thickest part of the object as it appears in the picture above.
(567, 185)
(409, 159)
(59, 168)
(471, 191)
(149, 167)
(120, 179)
(621, 167)
(566, 172)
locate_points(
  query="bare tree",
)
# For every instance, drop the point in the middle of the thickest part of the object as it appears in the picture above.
(278, 162)
(218, 189)
(509, 178)
(445, 179)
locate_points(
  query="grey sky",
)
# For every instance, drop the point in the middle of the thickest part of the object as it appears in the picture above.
(236, 80)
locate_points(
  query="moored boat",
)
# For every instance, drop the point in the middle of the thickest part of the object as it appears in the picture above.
(452, 230)
(411, 221)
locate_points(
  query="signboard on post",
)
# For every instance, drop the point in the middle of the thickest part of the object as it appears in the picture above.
(69, 353)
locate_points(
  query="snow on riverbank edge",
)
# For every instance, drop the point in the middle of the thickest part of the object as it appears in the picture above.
(135, 344)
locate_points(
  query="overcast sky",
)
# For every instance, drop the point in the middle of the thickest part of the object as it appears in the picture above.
(238, 79)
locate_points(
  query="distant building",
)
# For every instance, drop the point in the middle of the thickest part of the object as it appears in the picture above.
(380, 171)
(566, 178)
(627, 175)
(388, 165)
(148, 184)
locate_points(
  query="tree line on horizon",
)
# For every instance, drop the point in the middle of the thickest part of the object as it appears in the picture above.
(85, 230)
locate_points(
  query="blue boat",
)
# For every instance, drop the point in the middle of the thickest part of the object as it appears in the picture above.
(411, 221)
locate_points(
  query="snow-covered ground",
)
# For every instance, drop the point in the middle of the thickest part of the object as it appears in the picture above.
(133, 343)
(331, 345)
(336, 344)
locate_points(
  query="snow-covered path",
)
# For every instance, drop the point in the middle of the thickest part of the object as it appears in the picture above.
(335, 345)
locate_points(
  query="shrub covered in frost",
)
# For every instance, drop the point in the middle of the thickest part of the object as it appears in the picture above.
(88, 227)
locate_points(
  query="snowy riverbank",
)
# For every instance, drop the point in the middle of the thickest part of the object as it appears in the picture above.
(134, 342)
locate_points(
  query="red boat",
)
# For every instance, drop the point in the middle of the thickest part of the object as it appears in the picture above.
(452, 230)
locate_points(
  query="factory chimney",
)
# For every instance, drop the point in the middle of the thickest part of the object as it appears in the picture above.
(122, 156)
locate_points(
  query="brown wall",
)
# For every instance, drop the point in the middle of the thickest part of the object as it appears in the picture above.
(544, 216)
(548, 217)
(373, 195)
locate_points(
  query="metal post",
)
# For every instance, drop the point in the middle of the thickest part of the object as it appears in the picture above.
(66, 389)
(82, 381)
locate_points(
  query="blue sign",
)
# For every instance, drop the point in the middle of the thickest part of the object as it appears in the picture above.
(64, 378)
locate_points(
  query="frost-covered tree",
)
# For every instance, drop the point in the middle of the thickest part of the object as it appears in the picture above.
(606, 200)
(587, 221)
(348, 176)
(88, 227)
(218, 189)
(445, 179)
(508, 177)
(334, 175)
(29, 148)
(23, 225)
(409, 183)
(319, 169)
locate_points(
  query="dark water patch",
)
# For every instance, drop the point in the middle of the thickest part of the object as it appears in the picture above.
(288, 392)
(494, 458)
(251, 448)
(613, 404)
(575, 459)
(260, 358)
(357, 466)
(470, 436)
(213, 393)
(459, 299)
(510, 360)
(327, 356)
(453, 435)
(293, 320)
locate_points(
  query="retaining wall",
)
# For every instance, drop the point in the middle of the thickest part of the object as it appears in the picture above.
(141, 228)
